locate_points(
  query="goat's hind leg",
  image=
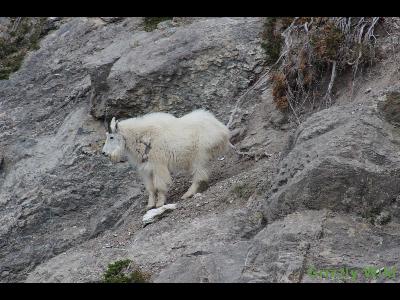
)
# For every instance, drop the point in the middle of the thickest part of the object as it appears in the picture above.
(161, 179)
(200, 174)
(148, 183)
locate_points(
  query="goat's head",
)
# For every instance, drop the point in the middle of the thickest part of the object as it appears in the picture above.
(114, 146)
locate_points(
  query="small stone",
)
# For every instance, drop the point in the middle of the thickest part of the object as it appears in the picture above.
(5, 273)
(153, 214)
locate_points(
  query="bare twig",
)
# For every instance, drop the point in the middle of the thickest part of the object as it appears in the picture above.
(370, 31)
(328, 96)
(15, 24)
(294, 112)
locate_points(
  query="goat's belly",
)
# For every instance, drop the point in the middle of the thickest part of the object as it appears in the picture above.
(179, 165)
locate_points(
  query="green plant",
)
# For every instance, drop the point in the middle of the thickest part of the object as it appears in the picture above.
(124, 271)
(271, 38)
(150, 23)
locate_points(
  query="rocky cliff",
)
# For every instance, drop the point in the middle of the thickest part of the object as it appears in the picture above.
(324, 193)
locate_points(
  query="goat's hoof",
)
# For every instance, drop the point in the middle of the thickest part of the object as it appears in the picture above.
(148, 207)
(186, 196)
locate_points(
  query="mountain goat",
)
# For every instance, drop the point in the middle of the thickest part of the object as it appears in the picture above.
(159, 143)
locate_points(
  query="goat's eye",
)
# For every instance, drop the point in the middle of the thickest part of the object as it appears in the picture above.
(111, 137)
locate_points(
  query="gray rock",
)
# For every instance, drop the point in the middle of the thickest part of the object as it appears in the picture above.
(342, 161)
(176, 69)
(390, 107)
(56, 189)
(326, 196)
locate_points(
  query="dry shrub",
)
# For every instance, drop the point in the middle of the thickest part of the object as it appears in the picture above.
(311, 52)
(279, 90)
(326, 41)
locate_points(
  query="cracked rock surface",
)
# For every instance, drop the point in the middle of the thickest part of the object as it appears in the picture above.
(324, 193)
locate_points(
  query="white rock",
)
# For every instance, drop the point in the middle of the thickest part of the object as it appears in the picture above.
(150, 216)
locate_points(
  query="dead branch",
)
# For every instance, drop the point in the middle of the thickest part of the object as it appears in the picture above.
(15, 24)
(370, 31)
(328, 94)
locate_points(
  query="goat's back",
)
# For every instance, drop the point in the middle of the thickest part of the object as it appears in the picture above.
(210, 132)
(160, 119)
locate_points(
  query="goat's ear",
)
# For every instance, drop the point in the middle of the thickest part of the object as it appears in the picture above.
(113, 125)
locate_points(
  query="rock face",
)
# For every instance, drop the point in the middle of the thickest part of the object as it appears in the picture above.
(324, 194)
(203, 64)
(56, 189)
(353, 149)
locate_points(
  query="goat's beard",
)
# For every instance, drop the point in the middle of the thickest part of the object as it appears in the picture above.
(116, 155)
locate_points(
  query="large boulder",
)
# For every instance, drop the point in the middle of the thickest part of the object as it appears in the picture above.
(206, 64)
(345, 158)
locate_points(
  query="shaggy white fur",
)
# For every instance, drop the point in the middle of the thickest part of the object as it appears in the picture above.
(159, 143)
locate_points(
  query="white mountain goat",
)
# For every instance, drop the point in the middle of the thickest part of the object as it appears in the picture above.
(159, 143)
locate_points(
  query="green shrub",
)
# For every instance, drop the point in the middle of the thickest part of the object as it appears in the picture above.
(124, 271)
(271, 37)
